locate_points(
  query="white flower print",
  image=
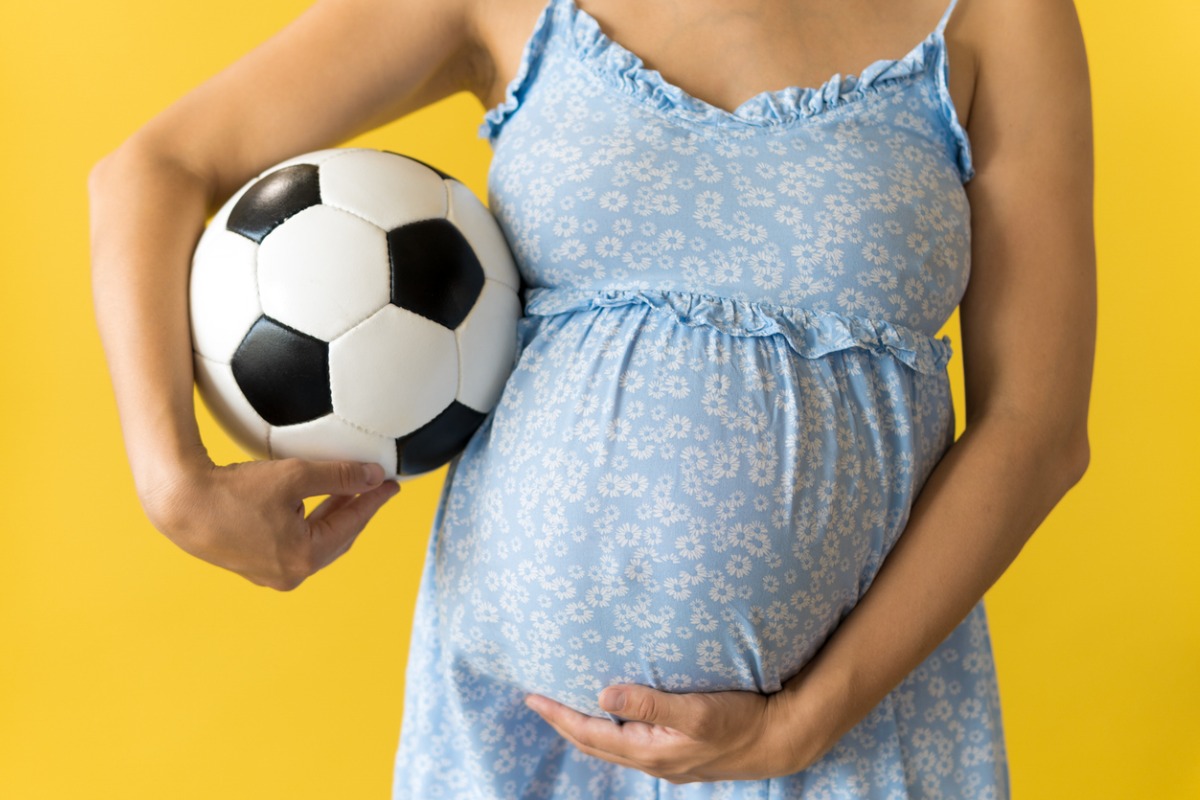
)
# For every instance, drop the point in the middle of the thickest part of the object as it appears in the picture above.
(671, 239)
(608, 246)
(613, 200)
(566, 226)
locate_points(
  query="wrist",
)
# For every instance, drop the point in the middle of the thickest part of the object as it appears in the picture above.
(163, 476)
(810, 709)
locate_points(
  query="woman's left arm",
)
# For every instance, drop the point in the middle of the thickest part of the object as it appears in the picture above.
(1028, 338)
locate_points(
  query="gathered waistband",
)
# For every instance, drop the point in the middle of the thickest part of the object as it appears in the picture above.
(810, 333)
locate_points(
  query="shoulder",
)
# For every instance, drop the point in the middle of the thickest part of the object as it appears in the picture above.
(998, 48)
(1018, 25)
(1028, 35)
(1030, 59)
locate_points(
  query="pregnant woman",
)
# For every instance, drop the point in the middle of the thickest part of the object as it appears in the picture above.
(723, 476)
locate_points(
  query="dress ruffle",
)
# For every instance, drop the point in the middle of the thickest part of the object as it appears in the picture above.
(811, 334)
(960, 141)
(495, 116)
(626, 70)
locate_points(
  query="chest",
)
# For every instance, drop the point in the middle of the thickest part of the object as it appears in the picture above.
(726, 51)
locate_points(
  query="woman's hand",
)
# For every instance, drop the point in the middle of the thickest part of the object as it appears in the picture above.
(249, 518)
(684, 738)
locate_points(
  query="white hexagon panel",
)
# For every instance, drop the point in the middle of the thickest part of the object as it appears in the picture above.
(323, 271)
(332, 438)
(409, 363)
(382, 188)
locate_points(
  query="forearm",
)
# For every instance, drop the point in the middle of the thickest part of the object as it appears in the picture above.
(980, 505)
(146, 214)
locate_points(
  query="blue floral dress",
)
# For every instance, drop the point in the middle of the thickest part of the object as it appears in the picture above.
(727, 395)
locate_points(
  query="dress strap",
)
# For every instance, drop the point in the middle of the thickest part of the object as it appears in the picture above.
(941, 26)
(514, 93)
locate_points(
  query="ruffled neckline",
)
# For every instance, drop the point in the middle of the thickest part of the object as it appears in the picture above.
(628, 72)
(625, 71)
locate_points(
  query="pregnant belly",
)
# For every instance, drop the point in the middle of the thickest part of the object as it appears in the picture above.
(670, 505)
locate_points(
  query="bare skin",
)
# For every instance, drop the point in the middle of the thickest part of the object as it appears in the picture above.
(763, 45)
(1019, 81)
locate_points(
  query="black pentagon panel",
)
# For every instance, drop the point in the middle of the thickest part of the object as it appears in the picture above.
(273, 199)
(423, 164)
(435, 273)
(283, 373)
(437, 441)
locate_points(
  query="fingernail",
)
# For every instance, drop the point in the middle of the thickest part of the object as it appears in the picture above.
(372, 473)
(612, 699)
(531, 702)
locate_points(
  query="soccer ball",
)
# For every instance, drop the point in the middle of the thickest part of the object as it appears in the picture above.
(353, 304)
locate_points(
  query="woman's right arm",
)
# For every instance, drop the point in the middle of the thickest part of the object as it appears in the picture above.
(341, 68)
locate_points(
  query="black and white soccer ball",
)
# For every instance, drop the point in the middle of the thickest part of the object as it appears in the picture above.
(353, 304)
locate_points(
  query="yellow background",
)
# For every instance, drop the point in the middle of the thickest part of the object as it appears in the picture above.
(130, 670)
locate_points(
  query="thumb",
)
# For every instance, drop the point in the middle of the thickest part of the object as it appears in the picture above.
(309, 478)
(641, 703)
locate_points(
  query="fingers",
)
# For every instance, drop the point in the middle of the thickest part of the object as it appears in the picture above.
(310, 478)
(324, 536)
(597, 737)
(727, 743)
(330, 504)
(657, 751)
(335, 524)
(358, 510)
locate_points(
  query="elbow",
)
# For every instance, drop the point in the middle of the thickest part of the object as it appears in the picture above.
(1077, 451)
(104, 188)
(1076, 457)
(112, 168)
(1059, 453)
(1057, 449)
(100, 174)
(101, 180)
(120, 184)
(108, 174)
(1065, 449)
(136, 158)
